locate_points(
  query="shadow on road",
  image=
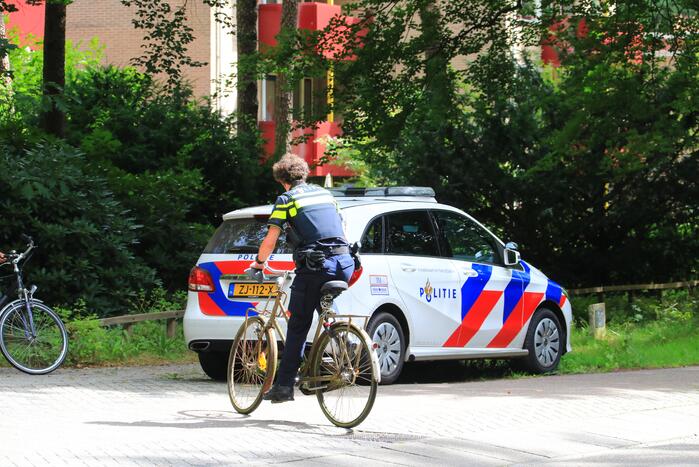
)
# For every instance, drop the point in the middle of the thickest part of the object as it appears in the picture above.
(454, 371)
(203, 419)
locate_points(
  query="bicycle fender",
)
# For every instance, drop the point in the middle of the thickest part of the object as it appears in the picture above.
(15, 303)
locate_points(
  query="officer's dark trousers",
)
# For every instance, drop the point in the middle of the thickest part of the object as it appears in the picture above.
(305, 298)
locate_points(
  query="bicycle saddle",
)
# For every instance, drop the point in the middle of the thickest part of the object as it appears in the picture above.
(333, 288)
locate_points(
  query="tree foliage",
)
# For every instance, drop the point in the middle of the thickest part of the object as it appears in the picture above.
(85, 235)
(621, 141)
(591, 166)
(167, 38)
(167, 165)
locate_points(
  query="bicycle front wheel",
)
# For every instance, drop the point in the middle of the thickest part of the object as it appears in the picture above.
(345, 373)
(251, 365)
(34, 341)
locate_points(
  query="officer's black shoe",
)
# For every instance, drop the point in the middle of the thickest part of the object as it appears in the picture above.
(279, 394)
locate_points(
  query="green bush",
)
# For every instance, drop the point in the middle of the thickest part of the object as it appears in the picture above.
(124, 118)
(672, 305)
(130, 199)
(85, 235)
(91, 344)
(173, 162)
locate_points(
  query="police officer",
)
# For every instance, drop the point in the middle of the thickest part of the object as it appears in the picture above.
(312, 220)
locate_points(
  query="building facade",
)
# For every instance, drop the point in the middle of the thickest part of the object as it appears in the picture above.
(111, 22)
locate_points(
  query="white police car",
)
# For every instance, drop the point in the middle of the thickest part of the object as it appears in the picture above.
(436, 284)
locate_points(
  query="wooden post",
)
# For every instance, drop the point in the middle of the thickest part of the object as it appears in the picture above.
(600, 297)
(171, 327)
(128, 328)
(598, 320)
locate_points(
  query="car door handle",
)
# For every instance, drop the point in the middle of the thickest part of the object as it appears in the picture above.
(408, 267)
(470, 272)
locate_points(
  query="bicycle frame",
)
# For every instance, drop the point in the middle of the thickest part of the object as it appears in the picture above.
(25, 295)
(328, 321)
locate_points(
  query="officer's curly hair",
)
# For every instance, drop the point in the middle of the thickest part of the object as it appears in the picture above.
(289, 169)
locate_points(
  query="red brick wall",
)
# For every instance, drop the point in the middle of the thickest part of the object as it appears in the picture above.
(110, 21)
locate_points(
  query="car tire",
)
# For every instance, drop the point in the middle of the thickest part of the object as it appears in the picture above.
(544, 341)
(214, 364)
(385, 330)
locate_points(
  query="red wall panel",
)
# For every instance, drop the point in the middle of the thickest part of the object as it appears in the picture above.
(28, 19)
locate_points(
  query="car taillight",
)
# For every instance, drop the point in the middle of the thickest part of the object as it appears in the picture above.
(355, 276)
(200, 280)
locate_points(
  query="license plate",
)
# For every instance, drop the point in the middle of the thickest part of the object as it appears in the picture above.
(252, 290)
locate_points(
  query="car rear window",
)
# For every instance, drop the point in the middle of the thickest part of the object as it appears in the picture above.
(243, 236)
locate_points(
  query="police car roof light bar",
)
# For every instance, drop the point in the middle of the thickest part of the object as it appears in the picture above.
(371, 192)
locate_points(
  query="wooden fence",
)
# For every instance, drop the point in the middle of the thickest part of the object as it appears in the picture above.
(127, 321)
(600, 291)
(171, 317)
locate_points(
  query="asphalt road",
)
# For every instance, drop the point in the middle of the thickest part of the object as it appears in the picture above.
(444, 414)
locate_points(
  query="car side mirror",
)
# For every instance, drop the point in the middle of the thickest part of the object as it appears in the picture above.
(512, 256)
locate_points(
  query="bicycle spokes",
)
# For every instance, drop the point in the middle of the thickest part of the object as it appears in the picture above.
(34, 341)
(344, 364)
(251, 365)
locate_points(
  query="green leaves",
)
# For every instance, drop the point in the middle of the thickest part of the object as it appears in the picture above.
(134, 205)
(166, 41)
(591, 166)
(54, 195)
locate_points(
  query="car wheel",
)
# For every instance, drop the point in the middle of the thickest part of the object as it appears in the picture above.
(387, 333)
(544, 342)
(214, 364)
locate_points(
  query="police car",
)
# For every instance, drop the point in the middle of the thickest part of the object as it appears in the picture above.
(435, 283)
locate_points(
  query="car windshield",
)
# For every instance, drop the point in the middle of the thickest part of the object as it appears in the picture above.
(243, 236)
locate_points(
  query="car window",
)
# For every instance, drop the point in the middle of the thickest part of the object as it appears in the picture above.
(243, 236)
(463, 239)
(372, 241)
(410, 233)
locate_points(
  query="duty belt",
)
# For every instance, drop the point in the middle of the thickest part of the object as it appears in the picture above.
(313, 257)
(335, 250)
(326, 250)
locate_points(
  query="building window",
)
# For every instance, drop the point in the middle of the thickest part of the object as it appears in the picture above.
(269, 94)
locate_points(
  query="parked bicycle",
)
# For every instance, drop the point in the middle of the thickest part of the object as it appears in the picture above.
(341, 368)
(32, 336)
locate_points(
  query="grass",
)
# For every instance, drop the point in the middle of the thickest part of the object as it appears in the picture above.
(147, 344)
(659, 344)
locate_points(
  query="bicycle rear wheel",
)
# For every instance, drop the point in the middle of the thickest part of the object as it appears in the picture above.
(345, 371)
(251, 365)
(36, 351)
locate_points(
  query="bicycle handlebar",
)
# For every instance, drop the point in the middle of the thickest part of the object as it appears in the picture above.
(14, 258)
(277, 272)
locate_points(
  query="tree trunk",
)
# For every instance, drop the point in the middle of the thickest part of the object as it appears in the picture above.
(437, 82)
(53, 119)
(246, 19)
(282, 103)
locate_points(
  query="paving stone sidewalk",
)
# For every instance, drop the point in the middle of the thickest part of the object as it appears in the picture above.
(173, 415)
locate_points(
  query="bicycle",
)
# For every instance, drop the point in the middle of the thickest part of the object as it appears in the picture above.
(341, 368)
(32, 336)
